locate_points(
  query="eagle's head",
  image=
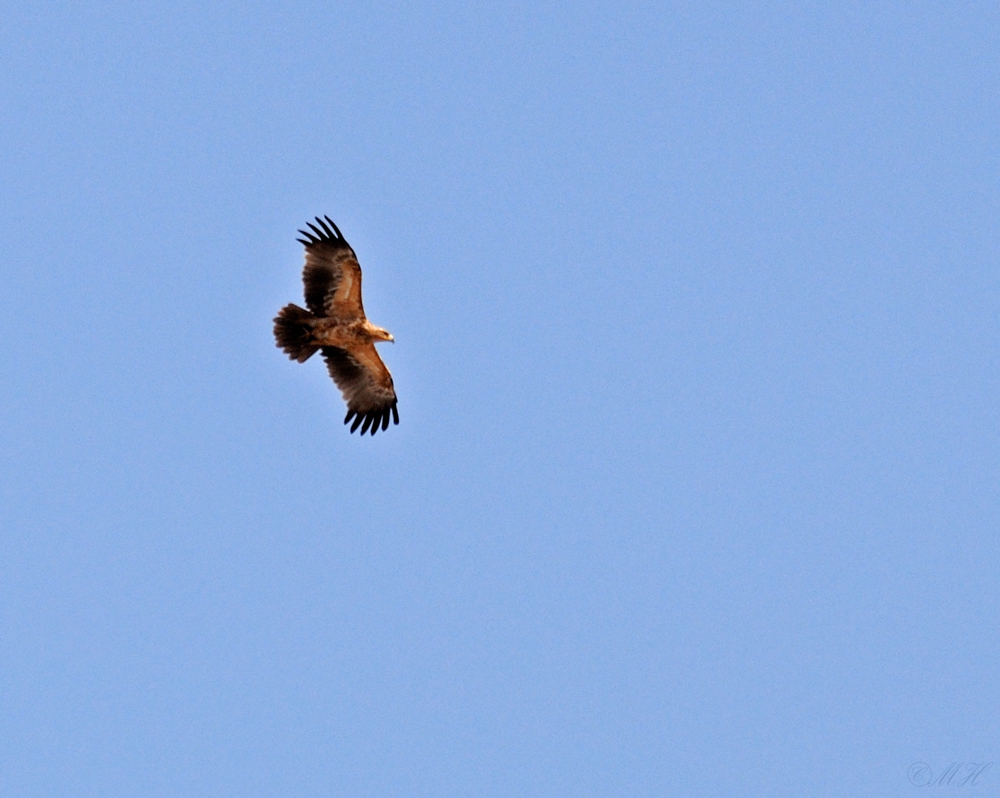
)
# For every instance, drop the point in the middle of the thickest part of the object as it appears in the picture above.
(377, 333)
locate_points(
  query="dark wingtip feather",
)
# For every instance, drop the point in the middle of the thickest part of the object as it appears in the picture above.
(372, 421)
(328, 231)
(395, 414)
(337, 229)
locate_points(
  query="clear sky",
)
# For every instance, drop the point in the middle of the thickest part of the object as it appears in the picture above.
(694, 491)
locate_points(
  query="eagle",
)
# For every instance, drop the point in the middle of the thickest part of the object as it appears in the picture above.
(336, 326)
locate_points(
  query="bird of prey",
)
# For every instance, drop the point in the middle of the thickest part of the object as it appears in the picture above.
(335, 325)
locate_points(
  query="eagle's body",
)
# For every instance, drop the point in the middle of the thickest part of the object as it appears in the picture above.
(335, 324)
(347, 334)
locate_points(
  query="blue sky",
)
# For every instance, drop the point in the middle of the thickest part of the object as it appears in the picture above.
(695, 486)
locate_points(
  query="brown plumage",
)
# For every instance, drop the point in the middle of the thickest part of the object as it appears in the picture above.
(335, 325)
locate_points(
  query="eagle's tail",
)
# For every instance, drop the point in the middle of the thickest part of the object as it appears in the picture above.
(293, 332)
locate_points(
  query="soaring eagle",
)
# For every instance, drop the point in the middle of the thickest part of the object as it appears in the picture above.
(335, 325)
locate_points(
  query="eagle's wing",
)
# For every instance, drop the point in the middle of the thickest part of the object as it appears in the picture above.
(332, 275)
(366, 385)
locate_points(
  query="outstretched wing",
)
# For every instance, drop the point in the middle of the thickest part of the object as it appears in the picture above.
(332, 275)
(366, 385)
